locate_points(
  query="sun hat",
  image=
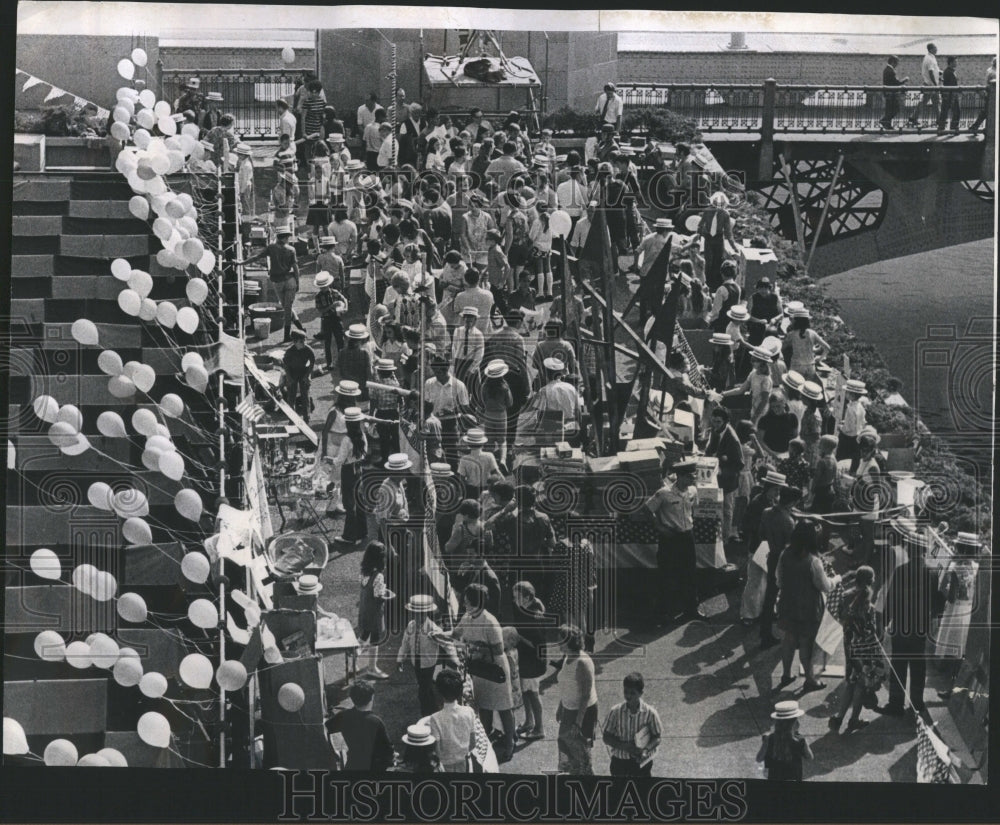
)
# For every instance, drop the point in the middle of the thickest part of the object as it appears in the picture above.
(350, 389)
(353, 414)
(793, 306)
(722, 339)
(214, 97)
(855, 386)
(967, 540)
(554, 364)
(336, 137)
(469, 312)
(327, 240)
(243, 149)
(793, 380)
(758, 354)
(420, 603)
(476, 437)
(687, 466)
(547, 132)
(765, 281)
(785, 710)
(812, 391)
(738, 312)
(869, 432)
(799, 312)
(323, 279)
(307, 585)
(771, 344)
(496, 369)
(776, 478)
(418, 735)
(359, 332)
(656, 398)
(662, 223)
(193, 83)
(399, 462)
(441, 469)
(354, 165)
(385, 365)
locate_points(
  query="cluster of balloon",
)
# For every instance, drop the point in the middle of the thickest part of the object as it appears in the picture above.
(65, 423)
(195, 373)
(90, 581)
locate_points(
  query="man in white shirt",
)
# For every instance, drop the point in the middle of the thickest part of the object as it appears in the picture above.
(610, 105)
(475, 296)
(572, 194)
(582, 230)
(561, 396)
(504, 168)
(449, 397)
(388, 153)
(468, 345)
(930, 74)
(286, 119)
(366, 112)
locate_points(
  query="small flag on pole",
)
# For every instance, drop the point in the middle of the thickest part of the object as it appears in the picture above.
(31, 81)
(250, 410)
(933, 760)
(54, 93)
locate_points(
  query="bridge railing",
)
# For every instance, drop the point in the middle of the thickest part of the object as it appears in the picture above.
(771, 108)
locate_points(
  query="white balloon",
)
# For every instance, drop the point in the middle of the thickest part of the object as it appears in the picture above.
(172, 466)
(157, 185)
(114, 758)
(202, 613)
(126, 162)
(161, 109)
(196, 291)
(147, 98)
(196, 671)
(15, 743)
(173, 143)
(47, 408)
(195, 567)
(92, 760)
(121, 386)
(207, 262)
(253, 615)
(192, 131)
(139, 57)
(50, 646)
(187, 319)
(128, 672)
(162, 227)
(84, 576)
(166, 314)
(231, 675)
(129, 503)
(137, 532)
(160, 442)
(139, 207)
(175, 208)
(288, 55)
(105, 587)
(188, 504)
(160, 202)
(197, 378)
(99, 494)
(84, 331)
(79, 446)
(46, 564)
(190, 359)
(167, 125)
(291, 697)
(127, 93)
(121, 115)
(119, 130)
(141, 282)
(147, 310)
(70, 415)
(132, 608)
(103, 652)
(78, 655)
(144, 421)
(61, 753)
(153, 685)
(126, 68)
(560, 222)
(171, 405)
(110, 424)
(130, 301)
(187, 201)
(186, 139)
(137, 183)
(154, 729)
(62, 434)
(144, 377)
(151, 459)
(110, 362)
(193, 249)
(144, 118)
(165, 258)
(121, 269)
(160, 164)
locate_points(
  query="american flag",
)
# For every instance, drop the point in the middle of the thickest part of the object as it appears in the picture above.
(933, 760)
(435, 571)
(250, 410)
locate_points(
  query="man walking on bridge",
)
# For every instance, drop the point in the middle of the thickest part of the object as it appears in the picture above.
(890, 80)
(930, 74)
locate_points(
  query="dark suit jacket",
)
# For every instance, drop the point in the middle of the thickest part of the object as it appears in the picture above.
(369, 747)
(912, 599)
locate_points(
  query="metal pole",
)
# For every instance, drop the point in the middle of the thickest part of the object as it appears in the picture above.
(786, 172)
(545, 90)
(222, 473)
(609, 331)
(826, 207)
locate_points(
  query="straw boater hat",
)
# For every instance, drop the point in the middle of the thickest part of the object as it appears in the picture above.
(214, 97)
(771, 344)
(738, 312)
(349, 389)
(418, 735)
(722, 339)
(855, 386)
(193, 83)
(967, 540)
(469, 312)
(405, 203)
(327, 240)
(323, 279)
(663, 223)
(656, 398)
(354, 165)
(496, 369)
(243, 149)
(336, 137)
(353, 414)
(398, 462)
(787, 710)
(359, 332)
(385, 365)
(812, 391)
(307, 585)
(441, 469)
(554, 364)
(759, 354)
(776, 478)
(793, 380)
(793, 306)
(869, 432)
(420, 603)
(475, 437)
(799, 312)
(297, 335)
(366, 182)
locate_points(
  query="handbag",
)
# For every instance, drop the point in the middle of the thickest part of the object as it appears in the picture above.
(490, 671)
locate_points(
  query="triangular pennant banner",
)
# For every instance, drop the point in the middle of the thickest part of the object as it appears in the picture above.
(54, 93)
(31, 81)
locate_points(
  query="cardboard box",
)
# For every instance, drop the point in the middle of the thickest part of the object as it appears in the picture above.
(639, 460)
(563, 450)
(708, 471)
(644, 444)
(709, 496)
(682, 426)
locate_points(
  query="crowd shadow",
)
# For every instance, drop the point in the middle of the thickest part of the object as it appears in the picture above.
(834, 751)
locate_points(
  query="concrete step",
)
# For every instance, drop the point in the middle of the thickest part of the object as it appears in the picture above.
(36, 207)
(35, 244)
(100, 209)
(32, 225)
(42, 189)
(104, 246)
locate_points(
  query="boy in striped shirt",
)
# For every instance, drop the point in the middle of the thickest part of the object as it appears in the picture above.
(632, 731)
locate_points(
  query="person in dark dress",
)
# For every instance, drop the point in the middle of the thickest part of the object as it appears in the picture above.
(765, 311)
(783, 750)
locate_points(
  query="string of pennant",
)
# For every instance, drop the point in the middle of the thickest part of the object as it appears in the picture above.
(55, 92)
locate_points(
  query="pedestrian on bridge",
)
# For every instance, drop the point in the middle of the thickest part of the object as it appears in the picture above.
(890, 80)
(930, 74)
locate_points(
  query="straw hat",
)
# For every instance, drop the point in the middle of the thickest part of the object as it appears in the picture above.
(793, 380)
(722, 339)
(855, 386)
(418, 735)
(307, 585)
(663, 223)
(738, 312)
(771, 344)
(354, 165)
(496, 369)
(469, 312)
(327, 240)
(812, 391)
(398, 462)
(214, 97)
(297, 335)
(967, 540)
(359, 332)
(385, 365)
(793, 306)
(243, 149)
(656, 398)
(475, 437)
(869, 432)
(353, 414)
(760, 354)
(554, 364)
(323, 279)
(441, 469)
(193, 83)
(786, 710)
(420, 603)
(351, 389)
(336, 137)
(776, 478)
(799, 312)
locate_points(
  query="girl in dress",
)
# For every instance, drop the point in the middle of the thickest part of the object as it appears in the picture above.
(783, 750)
(371, 610)
(541, 240)
(412, 265)
(349, 464)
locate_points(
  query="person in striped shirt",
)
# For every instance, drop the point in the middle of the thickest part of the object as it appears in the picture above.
(632, 731)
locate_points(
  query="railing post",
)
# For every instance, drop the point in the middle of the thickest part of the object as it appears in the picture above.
(765, 163)
(990, 149)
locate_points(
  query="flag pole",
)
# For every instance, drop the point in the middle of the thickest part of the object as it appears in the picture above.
(609, 327)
